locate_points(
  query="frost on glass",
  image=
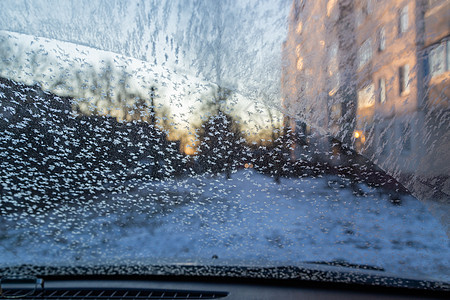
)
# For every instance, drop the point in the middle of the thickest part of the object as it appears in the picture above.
(224, 132)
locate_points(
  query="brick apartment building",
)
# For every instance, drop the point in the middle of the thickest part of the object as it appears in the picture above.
(374, 74)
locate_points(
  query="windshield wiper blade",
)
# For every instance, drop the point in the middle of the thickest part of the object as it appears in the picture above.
(303, 273)
(346, 264)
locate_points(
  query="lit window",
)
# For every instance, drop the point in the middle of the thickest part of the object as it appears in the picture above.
(299, 27)
(382, 90)
(403, 21)
(381, 39)
(330, 5)
(403, 76)
(300, 63)
(366, 96)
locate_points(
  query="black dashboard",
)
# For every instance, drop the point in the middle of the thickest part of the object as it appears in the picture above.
(227, 290)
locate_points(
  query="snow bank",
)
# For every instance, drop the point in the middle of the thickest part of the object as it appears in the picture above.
(248, 217)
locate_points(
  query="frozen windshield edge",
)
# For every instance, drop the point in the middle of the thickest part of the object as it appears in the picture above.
(232, 132)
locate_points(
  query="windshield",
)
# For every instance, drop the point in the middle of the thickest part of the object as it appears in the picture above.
(240, 133)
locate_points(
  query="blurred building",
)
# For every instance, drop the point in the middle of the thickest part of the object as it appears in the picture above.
(374, 74)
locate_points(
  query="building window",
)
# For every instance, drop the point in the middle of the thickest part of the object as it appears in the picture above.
(332, 52)
(336, 112)
(333, 69)
(381, 39)
(439, 59)
(359, 17)
(369, 7)
(364, 11)
(366, 96)
(382, 90)
(299, 27)
(300, 63)
(330, 5)
(403, 76)
(403, 20)
(298, 8)
(365, 53)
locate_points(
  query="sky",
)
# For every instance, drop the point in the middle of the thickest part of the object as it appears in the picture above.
(232, 43)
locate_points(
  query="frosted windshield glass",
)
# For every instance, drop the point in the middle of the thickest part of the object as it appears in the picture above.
(225, 132)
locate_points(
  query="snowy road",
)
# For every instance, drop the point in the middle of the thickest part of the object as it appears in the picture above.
(248, 217)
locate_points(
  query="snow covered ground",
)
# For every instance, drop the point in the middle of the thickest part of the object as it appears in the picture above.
(248, 217)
